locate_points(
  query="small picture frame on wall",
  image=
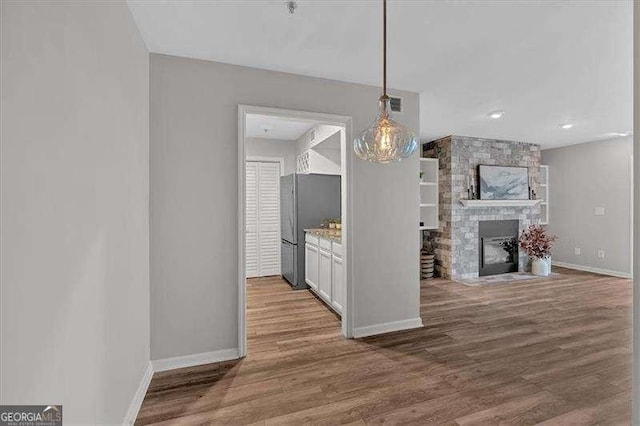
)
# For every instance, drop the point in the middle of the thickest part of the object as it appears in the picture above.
(503, 182)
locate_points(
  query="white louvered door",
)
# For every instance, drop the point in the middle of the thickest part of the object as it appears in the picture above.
(251, 209)
(263, 219)
(269, 219)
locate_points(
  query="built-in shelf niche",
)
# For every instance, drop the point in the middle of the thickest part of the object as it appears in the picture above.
(544, 195)
(429, 194)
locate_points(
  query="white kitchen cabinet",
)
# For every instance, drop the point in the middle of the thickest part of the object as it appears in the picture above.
(323, 270)
(311, 261)
(324, 274)
(337, 290)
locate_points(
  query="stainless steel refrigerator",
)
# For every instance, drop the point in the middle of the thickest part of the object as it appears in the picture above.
(305, 201)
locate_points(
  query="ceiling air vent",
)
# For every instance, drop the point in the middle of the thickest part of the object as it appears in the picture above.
(396, 104)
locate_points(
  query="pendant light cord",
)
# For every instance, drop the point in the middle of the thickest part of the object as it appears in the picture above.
(384, 48)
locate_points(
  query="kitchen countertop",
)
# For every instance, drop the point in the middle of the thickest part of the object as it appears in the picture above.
(331, 234)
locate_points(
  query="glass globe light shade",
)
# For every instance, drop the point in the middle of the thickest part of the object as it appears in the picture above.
(385, 140)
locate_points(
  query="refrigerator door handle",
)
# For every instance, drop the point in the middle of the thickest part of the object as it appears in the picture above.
(290, 217)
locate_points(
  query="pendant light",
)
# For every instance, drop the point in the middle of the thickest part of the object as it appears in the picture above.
(385, 140)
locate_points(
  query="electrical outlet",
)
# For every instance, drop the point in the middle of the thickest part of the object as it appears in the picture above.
(599, 211)
(600, 254)
(577, 251)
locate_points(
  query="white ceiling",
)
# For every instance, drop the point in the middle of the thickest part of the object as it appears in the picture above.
(542, 62)
(277, 128)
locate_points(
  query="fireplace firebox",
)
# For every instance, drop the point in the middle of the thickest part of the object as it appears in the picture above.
(498, 247)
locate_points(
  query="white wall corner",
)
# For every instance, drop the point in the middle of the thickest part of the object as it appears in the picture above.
(194, 359)
(591, 269)
(387, 327)
(138, 397)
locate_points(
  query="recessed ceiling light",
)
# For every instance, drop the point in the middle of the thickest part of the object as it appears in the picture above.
(496, 114)
(621, 134)
(566, 126)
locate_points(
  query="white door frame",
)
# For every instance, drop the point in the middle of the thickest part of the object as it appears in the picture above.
(347, 219)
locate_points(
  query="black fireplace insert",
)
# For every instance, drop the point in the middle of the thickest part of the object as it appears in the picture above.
(498, 247)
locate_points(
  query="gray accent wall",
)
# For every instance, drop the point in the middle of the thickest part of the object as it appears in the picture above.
(257, 147)
(194, 200)
(636, 208)
(581, 178)
(75, 225)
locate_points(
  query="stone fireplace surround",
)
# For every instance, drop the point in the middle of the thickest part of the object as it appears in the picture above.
(456, 240)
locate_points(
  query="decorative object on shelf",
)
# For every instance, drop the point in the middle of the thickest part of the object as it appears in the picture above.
(386, 140)
(537, 243)
(421, 176)
(503, 183)
(427, 264)
(532, 192)
(338, 223)
(472, 190)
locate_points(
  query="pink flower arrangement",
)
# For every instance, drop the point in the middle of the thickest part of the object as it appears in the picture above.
(536, 242)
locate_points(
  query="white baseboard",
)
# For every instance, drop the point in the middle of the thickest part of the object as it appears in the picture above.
(195, 359)
(138, 397)
(387, 327)
(170, 364)
(591, 269)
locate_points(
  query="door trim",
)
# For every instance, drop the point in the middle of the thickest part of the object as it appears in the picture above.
(347, 218)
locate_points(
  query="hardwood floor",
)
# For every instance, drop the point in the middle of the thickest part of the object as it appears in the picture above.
(555, 351)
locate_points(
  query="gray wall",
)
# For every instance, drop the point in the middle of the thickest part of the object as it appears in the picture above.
(581, 178)
(194, 200)
(75, 185)
(286, 150)
(636, 207)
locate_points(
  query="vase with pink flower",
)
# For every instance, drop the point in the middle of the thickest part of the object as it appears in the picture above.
(537, 243)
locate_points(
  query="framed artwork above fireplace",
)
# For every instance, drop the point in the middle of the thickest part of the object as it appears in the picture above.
(503, 182)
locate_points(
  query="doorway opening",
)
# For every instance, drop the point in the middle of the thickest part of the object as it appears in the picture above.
(294, 186)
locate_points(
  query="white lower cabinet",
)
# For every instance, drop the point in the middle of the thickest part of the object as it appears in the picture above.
(324, 275)
(338, 289)
(323, 270)
(311, 265)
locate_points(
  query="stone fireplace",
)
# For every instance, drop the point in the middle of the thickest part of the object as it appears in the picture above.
(457, 242)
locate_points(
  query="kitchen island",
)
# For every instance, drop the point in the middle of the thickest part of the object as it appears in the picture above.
(323, 265)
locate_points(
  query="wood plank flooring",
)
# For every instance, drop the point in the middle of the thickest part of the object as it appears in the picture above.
(555, 351)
